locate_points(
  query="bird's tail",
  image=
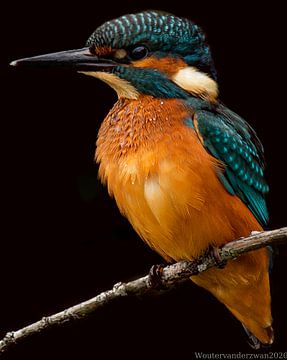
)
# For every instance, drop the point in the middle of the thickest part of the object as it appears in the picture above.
(243, 286)
(258, 334)
(254, 342)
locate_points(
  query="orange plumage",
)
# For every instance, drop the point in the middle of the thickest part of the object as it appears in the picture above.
(166, 184)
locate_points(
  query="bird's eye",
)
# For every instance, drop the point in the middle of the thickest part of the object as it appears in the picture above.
(138, 52)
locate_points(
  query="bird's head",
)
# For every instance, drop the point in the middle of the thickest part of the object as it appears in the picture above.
(152, 53)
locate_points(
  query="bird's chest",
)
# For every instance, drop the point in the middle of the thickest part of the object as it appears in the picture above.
(136, 135)
(151, 164)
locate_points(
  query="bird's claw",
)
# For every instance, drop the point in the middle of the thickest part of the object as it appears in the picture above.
(220, 263)
(155, 275)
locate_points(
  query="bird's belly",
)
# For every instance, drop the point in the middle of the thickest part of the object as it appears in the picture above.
(180, 210)
(161, 208)
(175, 201)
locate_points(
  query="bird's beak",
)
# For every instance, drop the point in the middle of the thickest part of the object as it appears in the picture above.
(79, 59)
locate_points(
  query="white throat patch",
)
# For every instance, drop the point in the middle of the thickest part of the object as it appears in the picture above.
(123, 88)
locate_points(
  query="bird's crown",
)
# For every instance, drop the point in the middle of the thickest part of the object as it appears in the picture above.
(157, 31)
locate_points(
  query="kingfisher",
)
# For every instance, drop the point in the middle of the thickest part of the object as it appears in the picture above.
(186, 171)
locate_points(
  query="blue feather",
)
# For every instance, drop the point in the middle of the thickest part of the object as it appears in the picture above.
(151, 82)
(231, 140)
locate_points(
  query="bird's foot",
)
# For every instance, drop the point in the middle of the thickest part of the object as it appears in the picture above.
(155, 277)
(220, 263)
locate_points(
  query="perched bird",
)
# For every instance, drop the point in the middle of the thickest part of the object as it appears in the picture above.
(185, 170)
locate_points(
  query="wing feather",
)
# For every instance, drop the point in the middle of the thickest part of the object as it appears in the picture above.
(231, 140)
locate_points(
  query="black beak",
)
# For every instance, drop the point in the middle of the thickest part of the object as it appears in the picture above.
(79, 59)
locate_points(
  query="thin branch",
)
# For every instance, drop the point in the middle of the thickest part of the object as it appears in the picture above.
(169, 276)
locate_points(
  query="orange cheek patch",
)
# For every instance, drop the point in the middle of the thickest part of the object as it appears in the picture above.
(167, 65)
(104, 51)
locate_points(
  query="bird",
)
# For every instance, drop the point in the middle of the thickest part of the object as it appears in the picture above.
(184, 169)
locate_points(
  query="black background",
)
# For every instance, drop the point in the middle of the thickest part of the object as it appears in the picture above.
(63, 239)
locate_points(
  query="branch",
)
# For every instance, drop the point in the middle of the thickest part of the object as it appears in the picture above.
(169, 276)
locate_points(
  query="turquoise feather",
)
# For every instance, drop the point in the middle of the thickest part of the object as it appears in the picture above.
(231, 140)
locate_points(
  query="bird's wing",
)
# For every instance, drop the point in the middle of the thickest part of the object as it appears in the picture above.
(232, 141)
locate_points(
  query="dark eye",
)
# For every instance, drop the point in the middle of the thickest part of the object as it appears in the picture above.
(138, 52)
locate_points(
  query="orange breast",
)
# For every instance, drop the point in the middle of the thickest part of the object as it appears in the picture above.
(164, 181)
(166, 184)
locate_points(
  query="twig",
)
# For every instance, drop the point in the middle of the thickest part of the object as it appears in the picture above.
(169, 276)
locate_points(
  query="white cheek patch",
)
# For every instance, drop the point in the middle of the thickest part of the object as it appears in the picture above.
(123, 88)
(196, 82)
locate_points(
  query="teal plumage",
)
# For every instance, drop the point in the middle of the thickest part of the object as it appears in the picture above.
(161, 33)
(152, 82)
(157, 28)
(231, 140)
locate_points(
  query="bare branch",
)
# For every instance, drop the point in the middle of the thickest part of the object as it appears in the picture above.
(170, 275)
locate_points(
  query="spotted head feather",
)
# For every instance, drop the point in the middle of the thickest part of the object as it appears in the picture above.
(159, 31)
